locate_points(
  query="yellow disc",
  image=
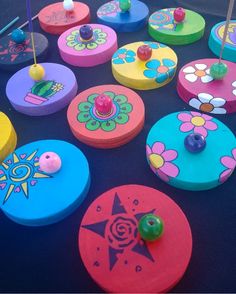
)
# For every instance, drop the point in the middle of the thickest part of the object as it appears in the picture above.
(8, 137)
(135, 73)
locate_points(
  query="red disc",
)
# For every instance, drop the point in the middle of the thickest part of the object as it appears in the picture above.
(113, 252)
(54, 19)
(116, 128)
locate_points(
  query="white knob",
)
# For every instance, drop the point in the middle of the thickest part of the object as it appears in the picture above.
(68, 5)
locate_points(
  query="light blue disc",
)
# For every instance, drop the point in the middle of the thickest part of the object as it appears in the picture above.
(135, 19)
(173, 163)
(32, 197)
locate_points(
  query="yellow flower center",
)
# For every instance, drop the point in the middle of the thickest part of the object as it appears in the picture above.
(198, 121)
(156, 160)
(200, 73)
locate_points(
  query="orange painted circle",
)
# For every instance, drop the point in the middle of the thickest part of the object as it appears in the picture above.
(113, 252)
(123, 124)
(54, 19)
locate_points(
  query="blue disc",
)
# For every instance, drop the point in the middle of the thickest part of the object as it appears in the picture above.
(135, 19)
(32, 197)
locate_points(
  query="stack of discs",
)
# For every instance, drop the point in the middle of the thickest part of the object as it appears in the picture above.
(197, 88)
(191, 151)
(131, 20)
(216, 36)
(31, 196)
(122, 121)
(113, 252)
(97, 49)
(36, 98)
(54, 19)
(163, 28)
(154, 72)
(8, 137)
(14, 56)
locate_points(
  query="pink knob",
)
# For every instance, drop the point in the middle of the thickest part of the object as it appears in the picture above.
(179, 14)
(50, 162)
(144, 52)
(103, 104)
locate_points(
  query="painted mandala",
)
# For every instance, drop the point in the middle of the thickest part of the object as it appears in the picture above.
(163, 19)
(93, 120)
(109, 9)
(74, 40)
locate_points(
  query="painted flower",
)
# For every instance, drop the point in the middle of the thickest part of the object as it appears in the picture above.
(196, 122)
(234, 86)
(123, 55)
(57, 87)
(199, 71)
(161, 71)
(109, 9)
(160, 161)
(74, 40)
(154, 45)
(207, 103)
(93, 120)
(163, 19)
(230, 164)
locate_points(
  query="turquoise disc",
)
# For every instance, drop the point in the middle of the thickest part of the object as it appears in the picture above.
(173, 163)
(32, 197)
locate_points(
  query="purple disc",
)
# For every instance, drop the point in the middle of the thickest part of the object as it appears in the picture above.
(54, 92)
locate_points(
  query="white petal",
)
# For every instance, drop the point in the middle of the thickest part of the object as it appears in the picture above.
(217, 102)
(191, 78)
(189, 69)
(219, 110)
(194, 102)
(234, 92)
(204, 97)
(206, 79)
(200, 66)
(208, 71)
(234, 84)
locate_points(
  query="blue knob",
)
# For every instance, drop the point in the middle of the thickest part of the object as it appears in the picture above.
(86, 32)
(18, 36)
(195, 143)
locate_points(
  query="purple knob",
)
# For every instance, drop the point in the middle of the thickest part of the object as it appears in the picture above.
(86, 32)
(195, 143)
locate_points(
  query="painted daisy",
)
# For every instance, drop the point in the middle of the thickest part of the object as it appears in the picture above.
(207, 103)
(199, 71)
(234, 86)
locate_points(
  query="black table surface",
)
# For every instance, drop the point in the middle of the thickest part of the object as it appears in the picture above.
(46, 259)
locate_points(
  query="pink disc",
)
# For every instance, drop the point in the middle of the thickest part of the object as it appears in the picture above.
(76, 51)
(197, 88)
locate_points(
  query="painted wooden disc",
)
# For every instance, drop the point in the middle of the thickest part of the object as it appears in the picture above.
(216, 37)
(132, 72)
(114, 254)
(133, 20)
(197, 88)
(54, 19)
(79, 52)
(163, 28)
(47, 96)
(15, 56)
(32, 197)
(174, 164)
(8, 138)
(106, 131)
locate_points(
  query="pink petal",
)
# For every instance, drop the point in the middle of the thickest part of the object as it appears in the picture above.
(186, 127)
(201, 130)
(206, 117)
(224, 175)
(158, 148)
(194, 113)
(228, 161)
(185, 117)
(234, 153)
(170, 169)
(148, 150)
(169, 155)
(210, 125)
(162, 175)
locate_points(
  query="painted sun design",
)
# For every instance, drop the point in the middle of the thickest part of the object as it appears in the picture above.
(19, 173)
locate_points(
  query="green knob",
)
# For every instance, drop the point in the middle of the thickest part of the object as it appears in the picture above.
(150, 227)
(218, 70)
(124, 5)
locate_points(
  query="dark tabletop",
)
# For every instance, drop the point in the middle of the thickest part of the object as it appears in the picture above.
(46, 259)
